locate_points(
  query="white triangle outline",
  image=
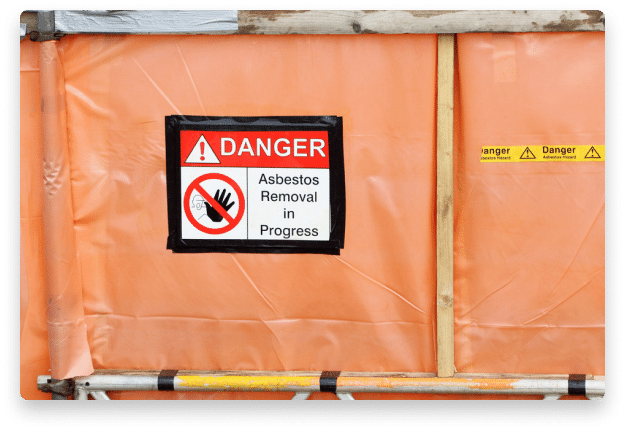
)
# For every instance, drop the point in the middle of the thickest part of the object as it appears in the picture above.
(196, 153)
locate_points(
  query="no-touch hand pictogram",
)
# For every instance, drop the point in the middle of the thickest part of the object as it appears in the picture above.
(217, 206)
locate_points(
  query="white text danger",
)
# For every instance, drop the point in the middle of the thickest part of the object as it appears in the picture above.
(281, 147)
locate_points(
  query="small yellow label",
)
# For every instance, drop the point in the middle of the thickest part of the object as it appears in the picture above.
(521, 154)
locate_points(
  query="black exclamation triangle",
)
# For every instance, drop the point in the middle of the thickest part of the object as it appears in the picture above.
(527, 154)
(592, 153)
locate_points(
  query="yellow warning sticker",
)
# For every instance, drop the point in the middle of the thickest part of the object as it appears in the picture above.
(521, 154)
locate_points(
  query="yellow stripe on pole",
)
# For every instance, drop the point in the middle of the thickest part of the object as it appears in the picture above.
(541, 153)
(247, 383)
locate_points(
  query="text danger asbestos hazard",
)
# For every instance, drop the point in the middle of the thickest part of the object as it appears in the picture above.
(262, 184)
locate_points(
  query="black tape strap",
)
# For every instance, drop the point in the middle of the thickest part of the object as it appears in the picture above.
(577, 385)
(327, 381)
(166, 380)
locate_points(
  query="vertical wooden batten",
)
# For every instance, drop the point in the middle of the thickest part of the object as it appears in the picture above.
(445, 208)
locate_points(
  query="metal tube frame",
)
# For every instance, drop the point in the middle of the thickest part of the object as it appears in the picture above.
(552, 387)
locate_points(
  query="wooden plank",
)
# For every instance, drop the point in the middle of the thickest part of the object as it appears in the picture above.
(445, 208)
(416, 21)
(397, 21)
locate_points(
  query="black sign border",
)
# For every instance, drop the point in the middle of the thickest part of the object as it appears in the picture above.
(332, 124)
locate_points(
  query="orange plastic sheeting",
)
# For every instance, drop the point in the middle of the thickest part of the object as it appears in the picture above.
(67, 330)
(34, 358)
(529, 237)
(370, 309)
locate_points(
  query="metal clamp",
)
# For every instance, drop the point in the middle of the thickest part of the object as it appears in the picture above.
(60, 388)
(46, 29)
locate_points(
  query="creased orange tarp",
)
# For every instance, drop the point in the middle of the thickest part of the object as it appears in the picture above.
(67, 330)
(369, 309)
(529, 237)
(131, 283)
(34, 358)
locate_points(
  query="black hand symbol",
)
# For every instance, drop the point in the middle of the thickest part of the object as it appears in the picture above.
(223, 202)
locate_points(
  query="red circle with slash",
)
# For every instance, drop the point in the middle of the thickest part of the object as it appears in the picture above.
(196, 185)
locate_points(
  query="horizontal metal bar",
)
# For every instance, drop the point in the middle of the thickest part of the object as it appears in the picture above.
(111, 382)
(464, 386)
(346, 383)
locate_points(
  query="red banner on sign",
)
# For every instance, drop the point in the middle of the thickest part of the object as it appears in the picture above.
(297, 149)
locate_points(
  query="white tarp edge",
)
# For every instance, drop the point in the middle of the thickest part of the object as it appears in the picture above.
(145, 21)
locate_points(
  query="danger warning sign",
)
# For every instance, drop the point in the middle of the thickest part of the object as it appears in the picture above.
(542, 153)
(255, 184)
